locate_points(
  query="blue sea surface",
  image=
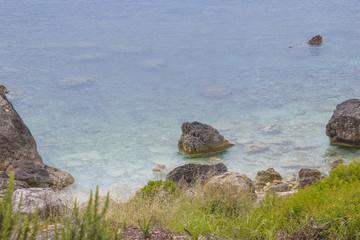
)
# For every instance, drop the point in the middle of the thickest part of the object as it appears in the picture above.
(104, 86)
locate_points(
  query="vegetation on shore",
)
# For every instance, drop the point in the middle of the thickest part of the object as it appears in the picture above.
(329, 209)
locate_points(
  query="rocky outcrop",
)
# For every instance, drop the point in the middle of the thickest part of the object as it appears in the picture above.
(343, 128)
(40, 175)
(201, 139)
(233, 183)
(317, 40)
(266, 176)
(44, 198)
(308, 176)
(18, 152)
(16, 141)
(4, 181)
(189, 174)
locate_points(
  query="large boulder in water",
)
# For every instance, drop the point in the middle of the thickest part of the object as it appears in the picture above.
(189, 174)
(16, 141)
(201, 139)
(343, 128)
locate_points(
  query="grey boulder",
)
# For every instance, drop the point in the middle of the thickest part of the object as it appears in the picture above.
(40, 175)
(44, 198)
(343, 128)
(189, 174)
(201, 139)
(16, 141)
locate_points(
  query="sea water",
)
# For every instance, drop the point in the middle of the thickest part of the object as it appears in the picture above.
(104, 86)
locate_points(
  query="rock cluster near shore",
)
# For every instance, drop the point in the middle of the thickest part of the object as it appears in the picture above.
(35, 180)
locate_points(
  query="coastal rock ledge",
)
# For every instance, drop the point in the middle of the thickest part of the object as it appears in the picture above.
(201, 139)
(343, 128)
(18, 152)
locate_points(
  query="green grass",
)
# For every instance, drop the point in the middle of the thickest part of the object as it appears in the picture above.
(329, 208)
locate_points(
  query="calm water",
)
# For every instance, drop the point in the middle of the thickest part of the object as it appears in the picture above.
(104, 86)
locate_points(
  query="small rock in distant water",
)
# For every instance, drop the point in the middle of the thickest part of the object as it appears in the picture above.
(337, 163)
(303, 146)
(253, 149)
(343, 128)
(272, 129)
(76, 81)
(317, 40)
(216, 92)
(159, 168)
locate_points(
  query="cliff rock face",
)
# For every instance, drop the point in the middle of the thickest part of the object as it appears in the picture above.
(18, 152)
(343, 128)
(16, 141)
(198, 139)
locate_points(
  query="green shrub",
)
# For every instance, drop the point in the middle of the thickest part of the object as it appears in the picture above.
(89, 225)
(156, 188)
(12, 224)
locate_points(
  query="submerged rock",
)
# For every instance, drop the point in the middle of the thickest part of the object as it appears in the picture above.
(16, 141)
(40, 175)
(44, 198)
(232, 182)
(317, 40)
(200, 139)
(343, 128)
(189, 174)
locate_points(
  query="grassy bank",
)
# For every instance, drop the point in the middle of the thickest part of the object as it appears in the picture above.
(328, 209)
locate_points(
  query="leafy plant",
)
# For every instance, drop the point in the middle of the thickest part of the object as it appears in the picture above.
(145, 228)
(153, 188)
(87, 226)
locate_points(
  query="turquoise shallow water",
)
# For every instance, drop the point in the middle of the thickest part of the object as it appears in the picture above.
(104, 86)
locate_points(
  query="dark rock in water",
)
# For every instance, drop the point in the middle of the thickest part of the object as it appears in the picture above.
(307, 181)
(16, 141)
(308, 172)
(343, 127)
(189, 174)
(201, 139)
(40, 175)
(263, 177)
(280, 188)
(17, 185)
(317, 40)
(337, 163)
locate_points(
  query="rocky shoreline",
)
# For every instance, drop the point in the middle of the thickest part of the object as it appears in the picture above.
(37, 182)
